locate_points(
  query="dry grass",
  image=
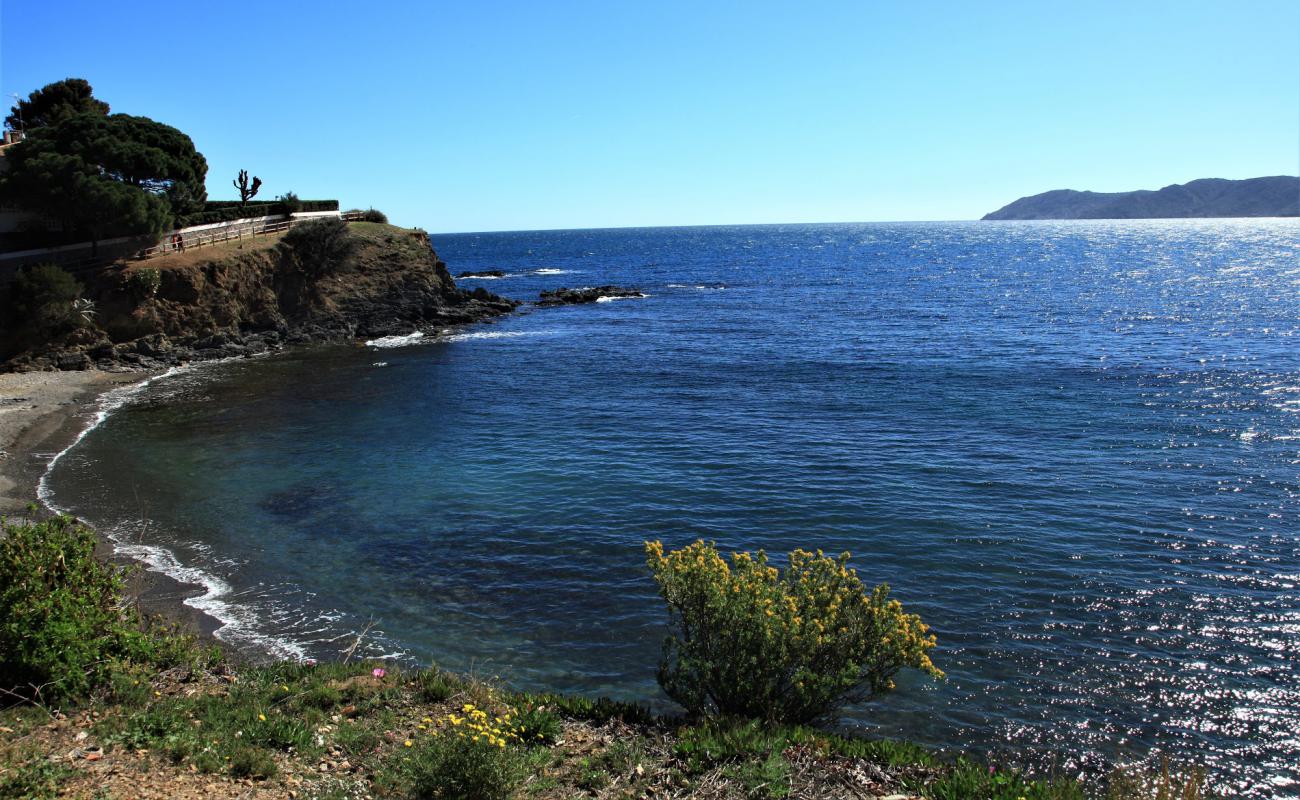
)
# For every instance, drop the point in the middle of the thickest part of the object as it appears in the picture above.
(200, 255)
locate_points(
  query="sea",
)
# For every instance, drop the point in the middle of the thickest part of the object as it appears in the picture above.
(1072, 447)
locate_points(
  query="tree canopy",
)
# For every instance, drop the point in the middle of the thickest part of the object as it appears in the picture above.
(54, 103)
(112, 175)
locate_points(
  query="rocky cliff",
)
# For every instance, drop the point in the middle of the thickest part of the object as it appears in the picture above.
(313, 285)
(1277, 196)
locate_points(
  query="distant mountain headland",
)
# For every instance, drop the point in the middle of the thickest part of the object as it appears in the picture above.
(1277, 196)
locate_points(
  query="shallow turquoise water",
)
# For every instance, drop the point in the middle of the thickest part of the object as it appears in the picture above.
(1074, 448)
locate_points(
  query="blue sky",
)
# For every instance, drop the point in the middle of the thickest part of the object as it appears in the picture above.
(514, 116)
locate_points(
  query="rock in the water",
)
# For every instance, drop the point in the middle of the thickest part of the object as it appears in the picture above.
(587, 294)
(487, 273)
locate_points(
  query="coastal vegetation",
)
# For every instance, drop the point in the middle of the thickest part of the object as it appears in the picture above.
(96, 175)
(102, 703)
(54, 103)
(88, 175)
(40, 301)
(791, 646)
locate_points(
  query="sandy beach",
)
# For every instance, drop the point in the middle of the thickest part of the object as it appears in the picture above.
(41, 413)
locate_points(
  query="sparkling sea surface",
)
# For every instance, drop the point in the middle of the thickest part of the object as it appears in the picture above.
(1073, 448)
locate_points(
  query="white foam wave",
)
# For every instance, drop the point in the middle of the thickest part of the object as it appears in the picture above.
(551, 271)
(484, 277)
(108, 403)
(237, 624)
(467, 337)
(608, 298)
(395, 341)
(700, 287)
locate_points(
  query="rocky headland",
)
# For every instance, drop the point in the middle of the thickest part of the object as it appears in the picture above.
(363, 280)
(1277, 196)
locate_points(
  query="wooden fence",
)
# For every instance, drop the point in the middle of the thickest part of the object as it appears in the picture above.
(181, 242)
(186, 241)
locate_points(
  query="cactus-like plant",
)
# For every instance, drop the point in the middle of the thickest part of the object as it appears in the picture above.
(247, 191)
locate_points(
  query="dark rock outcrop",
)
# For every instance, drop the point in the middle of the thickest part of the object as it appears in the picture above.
(489, 273)
(1277, 196)
(587, 294)
(389, 281)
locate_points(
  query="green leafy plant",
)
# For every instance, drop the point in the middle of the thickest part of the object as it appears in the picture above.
(718, 741)
(248, 762)
(318, 248)
(63, 627)
(41, 298)
(966, 779)
(601, 709)
(374, 215)
(101, 176)
(473, 757)
(432, 685)
(536, 725)
(35, 778)
(750, 640)
(144, 282)
(289, 203)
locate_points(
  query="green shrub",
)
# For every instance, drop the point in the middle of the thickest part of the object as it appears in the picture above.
(971, 780)
(717, 741)
(41, 298)
(142, 283)
(766, 779)
(602, 709)
(227, 210)
(374, 215)
(289, 203)
(535, 725)
(248, 762)
(36, 778)
(62, 623)
(432, 685)
(318, 248)
(749, 640)
(452, 766)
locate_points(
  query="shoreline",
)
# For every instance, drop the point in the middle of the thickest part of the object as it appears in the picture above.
(41, 415)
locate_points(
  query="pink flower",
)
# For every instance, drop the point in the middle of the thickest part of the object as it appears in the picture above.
(379, 672)
(309, 662)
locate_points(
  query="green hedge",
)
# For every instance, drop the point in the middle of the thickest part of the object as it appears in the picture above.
(224, 215)
(307, 205)
(227, 210)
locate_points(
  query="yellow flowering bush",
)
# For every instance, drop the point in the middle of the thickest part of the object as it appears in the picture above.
(468, 756)
(748, 639)
(477, 725)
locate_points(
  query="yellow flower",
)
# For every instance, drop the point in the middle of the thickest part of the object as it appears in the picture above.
(262, 717)
(408, 743)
